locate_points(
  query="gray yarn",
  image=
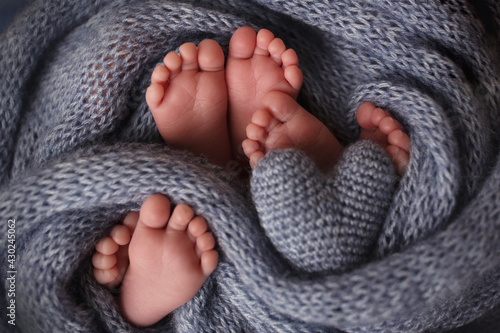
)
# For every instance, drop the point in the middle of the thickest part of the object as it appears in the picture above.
(294, 206)
(80, 150)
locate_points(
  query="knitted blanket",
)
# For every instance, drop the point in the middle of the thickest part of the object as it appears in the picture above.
(354, 251)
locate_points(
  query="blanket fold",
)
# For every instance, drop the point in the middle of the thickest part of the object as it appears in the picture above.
(80, 150)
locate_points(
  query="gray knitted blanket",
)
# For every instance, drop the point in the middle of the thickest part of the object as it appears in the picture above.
(354, 251)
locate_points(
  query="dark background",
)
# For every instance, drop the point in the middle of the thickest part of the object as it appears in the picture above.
(8, 10)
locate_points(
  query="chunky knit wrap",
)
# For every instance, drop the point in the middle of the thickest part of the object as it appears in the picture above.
(353, 251)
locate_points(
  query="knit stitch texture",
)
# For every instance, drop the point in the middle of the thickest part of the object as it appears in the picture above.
(349, 252)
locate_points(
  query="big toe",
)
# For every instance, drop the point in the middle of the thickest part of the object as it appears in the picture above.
(281, 105)
(210, 56)
(155, 211)
(242, 43)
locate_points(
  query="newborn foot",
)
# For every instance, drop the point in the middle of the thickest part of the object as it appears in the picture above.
(256, 65)
(188, 100)
(379, 126)
(283, 123)
(170, 254)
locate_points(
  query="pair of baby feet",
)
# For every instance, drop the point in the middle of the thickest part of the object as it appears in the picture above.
(161, 257)
(203, 105)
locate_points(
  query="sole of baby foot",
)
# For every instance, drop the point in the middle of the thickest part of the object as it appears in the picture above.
(188, 100)
(379, 126)
(257, 64)
(282, 123)
(110, 260)
(171, 255)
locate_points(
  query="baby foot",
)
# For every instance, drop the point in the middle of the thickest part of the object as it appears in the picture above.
(256, 65)
(379, 126)
(283, 123)
(188, 100)
(169, 257)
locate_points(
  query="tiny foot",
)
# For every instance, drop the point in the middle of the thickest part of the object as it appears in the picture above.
(188, 100)
(111, 258)
(283, 123)
(257, 64)
(171, 255)
(378, 125)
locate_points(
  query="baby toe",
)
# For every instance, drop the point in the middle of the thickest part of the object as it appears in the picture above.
(400, 139)
(209, 260)
(276, 49)
(160, 75)
(210, 56)
(155, 211)
(188, 53)
(250, 147)
(388, 125)
(378, 115)
(107, 246)
(102, 261)
(264, 37)
(364, 115)
(172, 62)
(154, 95)
(293, 75)
(242, 43)
(262, 118)
(255, 157)
(181, 216)
(205, 242)
(130, 221)
(106, 276)
(120, 234)
(290, 58)
(256, 132)
(197, 227)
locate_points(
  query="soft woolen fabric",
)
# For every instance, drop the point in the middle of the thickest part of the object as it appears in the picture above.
(352, 251)
(324, 223)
